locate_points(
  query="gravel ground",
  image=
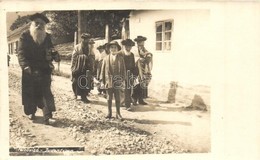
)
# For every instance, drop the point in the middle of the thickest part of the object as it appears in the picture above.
(86, 125)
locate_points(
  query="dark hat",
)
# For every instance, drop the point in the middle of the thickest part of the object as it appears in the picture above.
(128, 42)
(91, 41)
(140, 38)
(85, 36)
(39, 15)
(101, 47)
(106, 46)
(114, 43)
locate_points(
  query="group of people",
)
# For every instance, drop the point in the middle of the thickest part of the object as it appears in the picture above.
(115, 68)
(119, 74)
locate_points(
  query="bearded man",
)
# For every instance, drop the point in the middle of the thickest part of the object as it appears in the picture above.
(35, 55)
(82, 67)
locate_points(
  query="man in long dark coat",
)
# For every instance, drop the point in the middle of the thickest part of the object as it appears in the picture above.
(35, 56)
(82, 67)
(129, 59)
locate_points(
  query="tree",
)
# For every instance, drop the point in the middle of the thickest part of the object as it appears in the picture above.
(97, 20)
(63, 23)
(19, 22)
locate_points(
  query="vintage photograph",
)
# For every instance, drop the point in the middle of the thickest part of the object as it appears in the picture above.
(108, 82)
(141, 79)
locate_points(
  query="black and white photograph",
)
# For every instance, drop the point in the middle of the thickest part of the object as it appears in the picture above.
(122, 79)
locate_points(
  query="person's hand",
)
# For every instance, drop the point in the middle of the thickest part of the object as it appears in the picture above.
(56, 57)
(27, 70)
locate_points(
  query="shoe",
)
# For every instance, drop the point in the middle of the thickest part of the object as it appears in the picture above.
(31, 116)
(46, 122)
(51, 120)
(129, 109)
(118, 116)
(134, 101)
(108, 116)
(142, 103)
(85, 100)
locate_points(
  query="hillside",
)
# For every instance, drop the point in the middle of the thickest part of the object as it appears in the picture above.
(65, 50)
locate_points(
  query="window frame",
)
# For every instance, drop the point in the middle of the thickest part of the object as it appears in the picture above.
(163, 32)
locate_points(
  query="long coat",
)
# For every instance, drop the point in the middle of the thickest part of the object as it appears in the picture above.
(82, 65)
(113, 75)
(78, 50)
(36, 85)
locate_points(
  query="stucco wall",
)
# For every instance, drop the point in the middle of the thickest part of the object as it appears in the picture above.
(189, 60)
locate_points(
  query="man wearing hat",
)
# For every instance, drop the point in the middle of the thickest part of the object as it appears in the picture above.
(129, 59)
(35, 55)
(82, 67)
(144, 67)
(113, 77)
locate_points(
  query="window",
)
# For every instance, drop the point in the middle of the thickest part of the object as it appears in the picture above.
(16, 47)
(164, 31)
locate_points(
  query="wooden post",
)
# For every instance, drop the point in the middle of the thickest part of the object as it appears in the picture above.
(59, 67)
(75, 39)
(82, 24)
(79, 25)
(107, 33)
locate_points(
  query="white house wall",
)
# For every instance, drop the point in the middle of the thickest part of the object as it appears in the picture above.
(190, 60)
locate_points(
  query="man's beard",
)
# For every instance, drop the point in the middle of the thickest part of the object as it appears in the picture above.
(37, 34)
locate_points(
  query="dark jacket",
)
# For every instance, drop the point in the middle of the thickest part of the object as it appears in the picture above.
(33, 55)
(37, 84)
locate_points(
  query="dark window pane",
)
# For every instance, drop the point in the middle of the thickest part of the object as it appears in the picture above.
(158, 46)
(168, 26)
(158, 37)
(159, 28)
(168, 36)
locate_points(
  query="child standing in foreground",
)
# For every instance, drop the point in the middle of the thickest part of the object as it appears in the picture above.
(113, 75)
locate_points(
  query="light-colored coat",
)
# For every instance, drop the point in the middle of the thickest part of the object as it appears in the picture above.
(113, 77)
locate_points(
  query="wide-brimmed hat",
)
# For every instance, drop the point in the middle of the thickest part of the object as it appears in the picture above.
(114, 43)
(85, 36)
(128, 42)
(101, 47)
(140, 38)
(39, 15)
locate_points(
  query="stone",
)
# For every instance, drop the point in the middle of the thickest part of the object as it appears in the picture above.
(172, 92)
(198, 103)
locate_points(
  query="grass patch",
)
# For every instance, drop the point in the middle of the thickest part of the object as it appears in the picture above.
(60, 73)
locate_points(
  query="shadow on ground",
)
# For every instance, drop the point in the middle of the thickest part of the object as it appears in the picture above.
(144, 121)
(89, 125)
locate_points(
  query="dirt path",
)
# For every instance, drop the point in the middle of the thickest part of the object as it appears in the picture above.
(155, 128)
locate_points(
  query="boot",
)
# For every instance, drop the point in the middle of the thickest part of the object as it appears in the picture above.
(31, 116)
(134, 101)
(85, 99)
(109, 104)
(118, 115)
(142, 102)
(46, 122)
